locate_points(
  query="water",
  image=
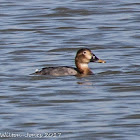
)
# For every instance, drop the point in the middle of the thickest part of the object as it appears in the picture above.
(35, 34)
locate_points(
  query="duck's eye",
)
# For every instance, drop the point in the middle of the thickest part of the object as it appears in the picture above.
(84, 52)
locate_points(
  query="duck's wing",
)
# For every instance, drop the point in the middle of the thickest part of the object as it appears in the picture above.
(57, 71)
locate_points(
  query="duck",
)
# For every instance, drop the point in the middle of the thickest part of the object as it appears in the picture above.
(83, 57)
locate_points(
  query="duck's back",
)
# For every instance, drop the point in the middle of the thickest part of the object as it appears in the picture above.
(57, 71)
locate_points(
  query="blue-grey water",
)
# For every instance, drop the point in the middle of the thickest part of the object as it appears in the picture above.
(39, 33)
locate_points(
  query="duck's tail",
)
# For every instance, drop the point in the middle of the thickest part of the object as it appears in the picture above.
(36, 72)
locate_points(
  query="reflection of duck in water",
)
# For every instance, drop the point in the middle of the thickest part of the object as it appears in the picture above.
(83, 57)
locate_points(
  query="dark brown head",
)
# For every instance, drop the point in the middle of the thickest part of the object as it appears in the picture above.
(83, 57)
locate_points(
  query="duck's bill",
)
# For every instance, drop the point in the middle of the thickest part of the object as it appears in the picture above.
(96, 59)
(100, 61)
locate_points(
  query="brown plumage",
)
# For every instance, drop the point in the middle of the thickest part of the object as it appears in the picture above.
(83, 57)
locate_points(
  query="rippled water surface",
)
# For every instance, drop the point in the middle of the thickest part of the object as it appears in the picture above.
(39, 33)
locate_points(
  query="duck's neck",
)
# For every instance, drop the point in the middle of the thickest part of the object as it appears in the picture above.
(83, 68)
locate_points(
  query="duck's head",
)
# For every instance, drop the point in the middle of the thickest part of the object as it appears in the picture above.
(83, 57)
